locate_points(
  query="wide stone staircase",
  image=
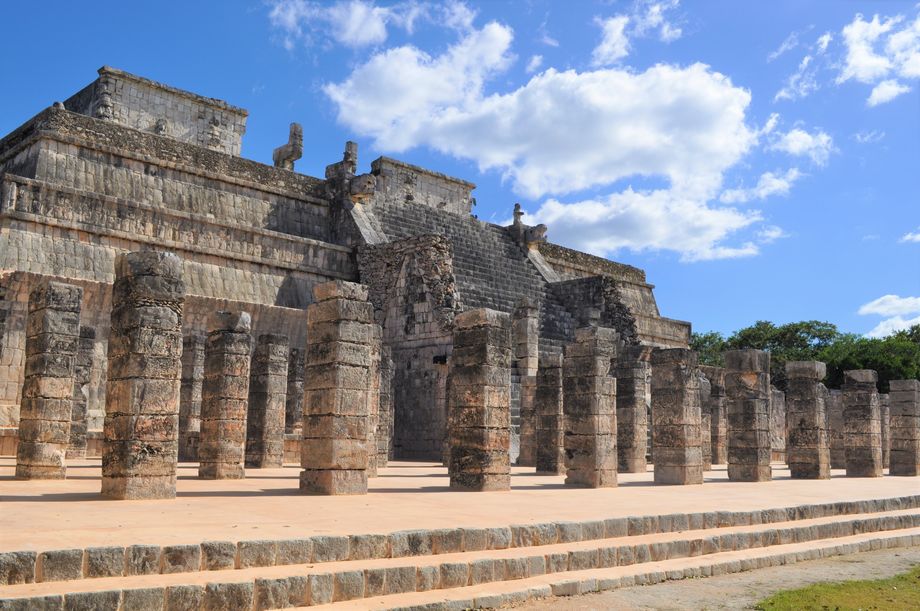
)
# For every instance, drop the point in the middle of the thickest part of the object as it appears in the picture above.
(492, 271)
(452, 568)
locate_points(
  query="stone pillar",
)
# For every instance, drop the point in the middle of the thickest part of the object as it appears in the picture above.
(293, 409)
(747, 387)
(884, 404)
(373, 399)
(717, 413)
(385, 410)
(479, 402)
(82, 373)
(550, 418)
(632, 374)
(777, 425)
(905, 427)
(142, 391)
(267, 402)
(807, 452)
(190, 396)
(525, 337)
(52, 339)
(862, 423)
(589, 401)
(224, 396)
(334, 452)
(836, 431)
(705, 421)
(676, 418)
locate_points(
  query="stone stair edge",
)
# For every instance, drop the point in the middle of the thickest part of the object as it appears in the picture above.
(344, 584)
(25, 566)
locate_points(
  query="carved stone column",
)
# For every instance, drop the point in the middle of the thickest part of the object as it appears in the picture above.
(863, 424)
(717, 413)
(676, 420)
(190, 396)
(747, 386)
(550, 417)
(905, 427)
(267, 400)
(82, 373)
(633, 390)
(293, 412)
(807, 452)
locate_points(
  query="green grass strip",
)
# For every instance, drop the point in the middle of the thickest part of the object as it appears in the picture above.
(896, 593)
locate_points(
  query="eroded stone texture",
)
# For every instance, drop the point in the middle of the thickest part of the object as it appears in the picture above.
(777, 424)
(676, 417)
(747, 387)
(337, 380)
(142, 393)
(905, 427)
(52, 339)
(190, 395)
(525, 337)
(373, 399)
(633, 378)
(267, 402)
(385, 408)
(807, 451)
(862, 423)
(82, 373)
(479, 402)
(589, 402)
(836, 431)
(225, 395)
(550, 418)
(293, 410)
(706, 421)
(884, 404)
(717, 413)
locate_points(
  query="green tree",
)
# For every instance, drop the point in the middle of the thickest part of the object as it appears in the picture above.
(709, 346)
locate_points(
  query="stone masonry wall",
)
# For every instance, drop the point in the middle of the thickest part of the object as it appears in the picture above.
(862, 423)
(747, 386)
(905, 427)
(676, 417)
(399, 182)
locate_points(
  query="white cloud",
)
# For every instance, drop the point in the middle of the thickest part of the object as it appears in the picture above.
(770, 234)
(862, 62)
(894, 308)
(817, 146)
(614, 44)
(911, 236)
(790, 43)
(353, 23)
(885, 92)
(824, 41)
(652, 16)
(770, 125)
(868, 137)
(534, 64)
(800, 83)
(768, 184)
(459, 16)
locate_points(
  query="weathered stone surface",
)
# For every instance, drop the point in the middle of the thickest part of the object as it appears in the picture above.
(224, 396)
(17, 567)
(836, 431)
(905, 427)
(82, 376)
(747, 387)
(184, 598)
(267, 400)
(104, 561)
(777, 424)
(706, 421)
(479, 434)
(142, 394)
(862, 423)
(223, 596)
(718, 413)
(180, 558)
(589, 403)
(884, 407)
(633, 375)
(550, 433)
(46, 410)
(218, 555)
(807, 451)
(60, 565)
(293, 412)
(525, 339)
(142, 560)
(143, 599)
(676, 417)
(190, 395)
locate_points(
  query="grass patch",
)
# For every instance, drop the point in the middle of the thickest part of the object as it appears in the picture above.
(899, 592)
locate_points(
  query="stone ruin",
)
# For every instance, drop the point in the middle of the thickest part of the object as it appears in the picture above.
(163, 299)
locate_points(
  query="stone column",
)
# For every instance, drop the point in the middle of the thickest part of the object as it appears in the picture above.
(190, 396)
(334, 452)
(142, 391)
(884, 404)
(385, 410)
(747, 387)
(479, 402)
(705, 421)
(373, 399)
(632, 374)
(836, 431)
(525, 337)
(293, 409)
(676, 418)
(717, 413)
(550, 418)
(267, 401)
(82, 373)
(777, 425)
(905, 427)
(224, 396)
(52, 339)
(807, 452)
(589, 401)
(862, 423)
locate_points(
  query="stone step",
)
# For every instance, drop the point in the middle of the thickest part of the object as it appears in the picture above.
(323, 582)
(513, 593)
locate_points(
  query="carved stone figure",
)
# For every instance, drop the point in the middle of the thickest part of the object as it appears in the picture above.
(285, 155)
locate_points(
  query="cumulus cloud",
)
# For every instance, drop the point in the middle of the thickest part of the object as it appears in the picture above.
(894, 309)
(768, 184)
(652, 16)
(824, 41)
(614, 44)
(885, 92)
(648, 17)
(353, 23)
(911, 236)
(817, 146)
(862, 63)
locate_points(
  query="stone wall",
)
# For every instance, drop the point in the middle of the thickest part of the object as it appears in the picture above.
(399, 182)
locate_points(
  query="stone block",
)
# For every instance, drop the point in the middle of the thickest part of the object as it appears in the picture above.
(222, 596)
(428, 578)
(363, 547)
(180, 558)
(105, 561)
(256, 553)
(401, 579)
(330, 548)
(92, 601)
(143, 599)
(321, 588)
(294, 551)
(185, 598)
(17, 567)
(142, 560)
(747, 385)
(218, 555)
(60, 565)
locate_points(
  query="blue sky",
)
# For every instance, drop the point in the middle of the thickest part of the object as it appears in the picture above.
(760, 160)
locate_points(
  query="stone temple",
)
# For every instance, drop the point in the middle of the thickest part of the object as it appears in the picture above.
(128, 164)
(180, 326)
